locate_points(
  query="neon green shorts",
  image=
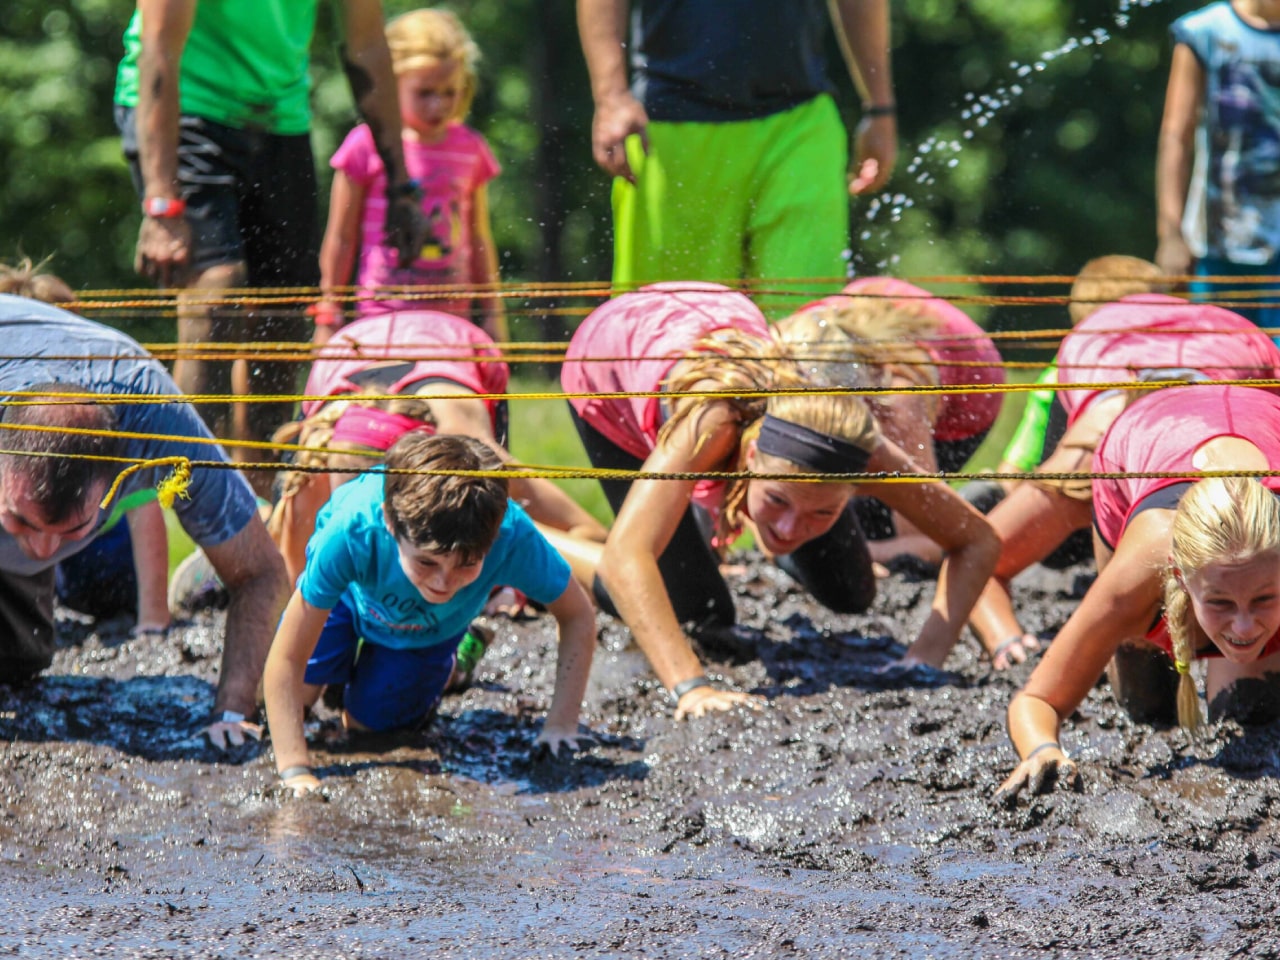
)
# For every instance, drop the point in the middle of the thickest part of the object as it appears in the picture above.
(762, 199)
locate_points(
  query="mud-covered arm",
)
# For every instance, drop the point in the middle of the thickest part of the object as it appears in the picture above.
(970, 546)
(1119, 606)
(1174, 155)
(602, 28)
(367, 62)
(284, 683)
(862, 27)
(576, 618)
(251, 569)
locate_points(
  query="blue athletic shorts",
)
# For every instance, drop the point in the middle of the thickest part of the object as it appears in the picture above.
(384, 688)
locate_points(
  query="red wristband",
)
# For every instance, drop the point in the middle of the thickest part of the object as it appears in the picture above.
(325, 314)
(164, 208)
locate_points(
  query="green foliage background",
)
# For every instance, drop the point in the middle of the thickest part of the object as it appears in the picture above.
(1059, 171)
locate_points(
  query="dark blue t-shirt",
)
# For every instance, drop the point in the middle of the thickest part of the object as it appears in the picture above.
(42, 344)
(714, 61)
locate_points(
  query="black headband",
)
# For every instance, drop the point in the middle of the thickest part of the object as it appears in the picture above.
(807, 448)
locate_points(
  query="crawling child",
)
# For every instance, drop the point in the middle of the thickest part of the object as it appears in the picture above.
(400, 564)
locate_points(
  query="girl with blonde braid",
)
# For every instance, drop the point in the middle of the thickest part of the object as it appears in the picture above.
(1188, 569)
(660, 564)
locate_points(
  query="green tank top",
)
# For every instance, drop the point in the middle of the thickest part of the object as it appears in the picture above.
(246, 64)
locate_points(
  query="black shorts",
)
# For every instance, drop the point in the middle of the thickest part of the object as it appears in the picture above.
(251, 198)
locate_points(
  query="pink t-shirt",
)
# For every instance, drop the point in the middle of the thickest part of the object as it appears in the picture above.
(630, 343)
(1153, 332)
(958, 343)
(426, 344)
(1162, 431)
(450, 173)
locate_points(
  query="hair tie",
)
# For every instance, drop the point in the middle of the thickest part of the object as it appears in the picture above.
(819, 452)
(1182, 667)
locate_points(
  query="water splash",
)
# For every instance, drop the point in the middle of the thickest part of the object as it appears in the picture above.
(936, 152)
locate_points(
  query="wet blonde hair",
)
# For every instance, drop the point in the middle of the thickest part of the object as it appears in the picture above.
(1104, 279)
(27, 279)
(431, 36)
(1219, 520)
(733, 360)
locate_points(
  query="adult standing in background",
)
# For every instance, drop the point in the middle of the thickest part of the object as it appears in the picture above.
(729, 152)
(213, 104)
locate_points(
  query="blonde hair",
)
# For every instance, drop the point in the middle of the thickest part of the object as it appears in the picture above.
(26, 279)
(431, 36)
(1219, 520)
(1104, 279)
(733, 360)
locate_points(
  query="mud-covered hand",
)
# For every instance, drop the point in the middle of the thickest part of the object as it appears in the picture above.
(700, 700)
(164, 250)
(231, 729)
(875, 151)
(1013, 651)
(299, 781)
(554, 742)
(406, 227)
(617, 118)
(1044, 767)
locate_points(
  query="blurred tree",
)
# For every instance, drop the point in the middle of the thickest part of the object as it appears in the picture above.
(1027, 130)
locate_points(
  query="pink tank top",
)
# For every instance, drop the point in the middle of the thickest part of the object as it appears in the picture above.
(1151, 332)
(630, 343)
(961, 351)
(427, 344)
(1161, 432)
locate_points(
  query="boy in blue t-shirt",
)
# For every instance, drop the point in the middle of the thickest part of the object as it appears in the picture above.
(399, 565)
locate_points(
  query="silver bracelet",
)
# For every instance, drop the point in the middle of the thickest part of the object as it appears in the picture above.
(693, 683)
(298, 770)
(228, 716)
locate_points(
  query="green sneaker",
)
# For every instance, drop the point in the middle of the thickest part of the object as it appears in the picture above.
(470, 651)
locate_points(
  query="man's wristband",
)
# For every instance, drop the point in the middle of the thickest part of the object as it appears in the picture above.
(1044, 746)
(164, 208)
(693, 683)
(297, 770)
(880, 110)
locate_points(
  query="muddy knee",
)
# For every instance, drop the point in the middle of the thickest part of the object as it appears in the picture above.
(1145, 683)
(1250, 700)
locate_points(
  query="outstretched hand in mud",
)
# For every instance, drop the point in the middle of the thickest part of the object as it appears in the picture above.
(230, 732)
(556, 744)
(698, 701)
(1013, 651)
(1039, 773)
(301, 784)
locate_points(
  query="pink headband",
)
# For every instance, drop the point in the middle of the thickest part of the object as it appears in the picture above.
(373, 428)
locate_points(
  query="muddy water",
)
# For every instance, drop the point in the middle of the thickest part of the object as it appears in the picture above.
(851, 815)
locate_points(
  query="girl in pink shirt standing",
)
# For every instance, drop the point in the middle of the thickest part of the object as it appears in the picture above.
(450, 164)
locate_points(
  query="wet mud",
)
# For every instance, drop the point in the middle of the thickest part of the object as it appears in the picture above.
(850, 815)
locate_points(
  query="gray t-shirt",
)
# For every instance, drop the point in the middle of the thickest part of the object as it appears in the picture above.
(716, 61)
(42, 344)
